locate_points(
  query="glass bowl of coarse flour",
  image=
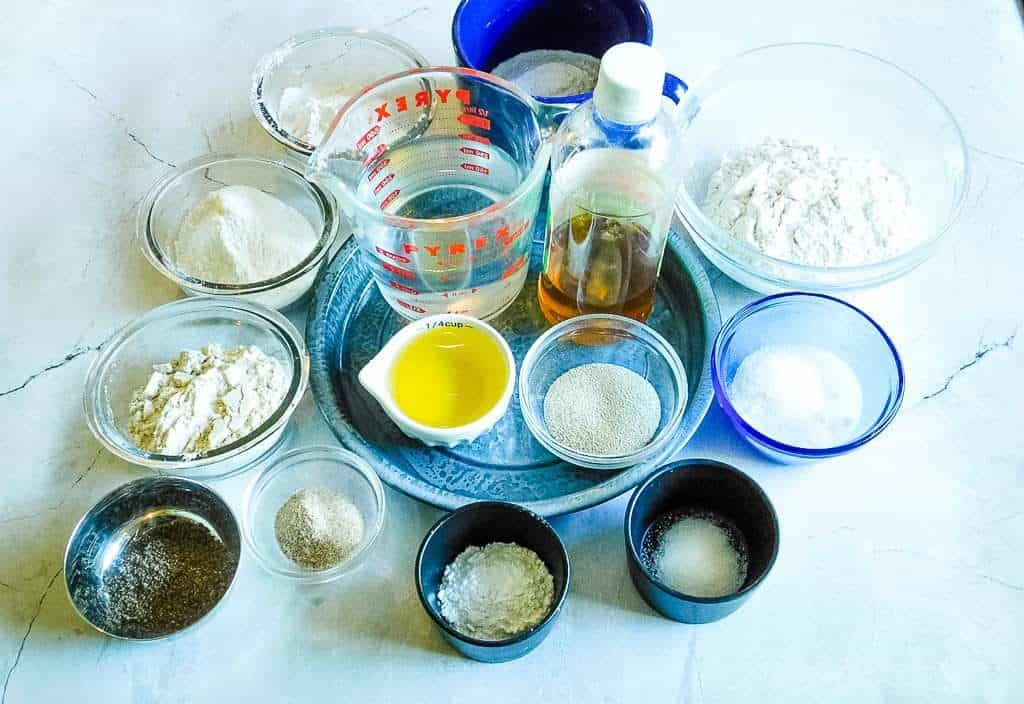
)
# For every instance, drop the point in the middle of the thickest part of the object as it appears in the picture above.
(238, 226)
(200, 387)
(818, 168)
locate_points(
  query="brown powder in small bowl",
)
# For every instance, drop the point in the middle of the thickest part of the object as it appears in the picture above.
(318, 528)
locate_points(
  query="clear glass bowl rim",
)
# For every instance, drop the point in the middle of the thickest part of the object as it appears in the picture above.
(269, 319)
(722, 395)
(278, 55)
(165, 265)
(711, 234)
(345, 460)
(640, 331)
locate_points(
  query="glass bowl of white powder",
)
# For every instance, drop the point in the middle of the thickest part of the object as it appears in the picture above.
(187, 405)
(299, 87)
(238, 226)
(818, 168)
(805, 376)
(603, 391)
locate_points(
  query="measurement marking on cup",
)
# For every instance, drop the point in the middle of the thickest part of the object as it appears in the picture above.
(410, 306)
(402, 287)
(475, 167)
(482, 139)
(368, 136)
(377, 169)
(470, 151)
(398, 271)
(475, 121)
(514, 267)
(383, 182)
(392, 255)
(381, 148)
(390, 198)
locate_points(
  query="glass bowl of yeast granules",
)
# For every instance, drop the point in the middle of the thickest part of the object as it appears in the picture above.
(313, 514)
(603, 391)
(201, 387)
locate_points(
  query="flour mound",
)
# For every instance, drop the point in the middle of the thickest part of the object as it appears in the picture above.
(241, 235)
(204, 399)
(810, 204)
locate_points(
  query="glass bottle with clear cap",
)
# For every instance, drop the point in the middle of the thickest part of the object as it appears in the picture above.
(614, 172)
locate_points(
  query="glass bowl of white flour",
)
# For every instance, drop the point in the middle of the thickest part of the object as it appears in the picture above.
(818, 168)
(238, 226)
(299, 87)
(193, 405)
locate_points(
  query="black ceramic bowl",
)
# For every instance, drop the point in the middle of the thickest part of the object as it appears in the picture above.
(701, 485)
(479, 524)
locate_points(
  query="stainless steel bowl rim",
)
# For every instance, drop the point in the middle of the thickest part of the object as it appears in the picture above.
(107, 497)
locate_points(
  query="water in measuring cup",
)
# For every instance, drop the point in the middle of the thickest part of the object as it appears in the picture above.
(460, 268)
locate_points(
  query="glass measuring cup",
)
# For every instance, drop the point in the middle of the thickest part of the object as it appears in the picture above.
(440, 172)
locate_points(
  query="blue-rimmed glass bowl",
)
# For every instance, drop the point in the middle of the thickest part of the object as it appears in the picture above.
(819, 321)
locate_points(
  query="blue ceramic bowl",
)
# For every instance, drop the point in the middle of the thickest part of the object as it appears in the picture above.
(487, 32)
(479, 524)
(710, 486)
(820, 321)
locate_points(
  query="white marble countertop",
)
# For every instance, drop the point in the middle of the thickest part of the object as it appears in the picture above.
(900, 575)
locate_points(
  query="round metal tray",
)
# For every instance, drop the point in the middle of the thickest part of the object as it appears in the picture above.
(349, 322)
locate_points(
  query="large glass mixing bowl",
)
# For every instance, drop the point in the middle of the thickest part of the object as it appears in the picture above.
(819, 92)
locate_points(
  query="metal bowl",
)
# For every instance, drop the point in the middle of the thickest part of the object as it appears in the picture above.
(98, 544)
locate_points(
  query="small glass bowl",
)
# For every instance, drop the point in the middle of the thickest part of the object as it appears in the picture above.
(610, 339)
(126, 362)
(349, 56)
(856, 101)
(819, 321)
(173, 196)
(307, 468)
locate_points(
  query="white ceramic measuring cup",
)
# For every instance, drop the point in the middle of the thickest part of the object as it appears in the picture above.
(376, 378)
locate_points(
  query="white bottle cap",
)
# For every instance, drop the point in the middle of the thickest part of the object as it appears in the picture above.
(629, 84)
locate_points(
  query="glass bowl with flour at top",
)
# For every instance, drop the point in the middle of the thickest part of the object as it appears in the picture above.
(232, 225)
(805, 376)
(861, 106)
(299, 87)
(125, 365)
(630, 365)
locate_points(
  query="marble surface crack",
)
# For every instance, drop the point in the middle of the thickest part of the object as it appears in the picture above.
(80, 477)
(1001, 157)
(76, 352)
(28, 632)
(115, 117)
(78, 480)
(979, 355)
(402, 18)
(132, 136)
(956, 566)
